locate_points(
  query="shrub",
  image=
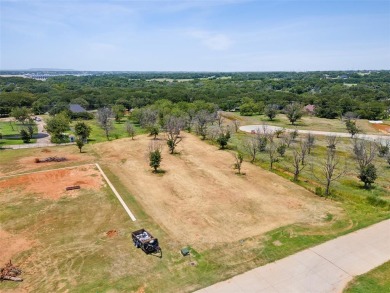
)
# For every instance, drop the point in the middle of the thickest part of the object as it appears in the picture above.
(319, 191)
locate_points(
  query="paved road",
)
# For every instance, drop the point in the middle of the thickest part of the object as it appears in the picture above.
(326, 268)
(250, 128)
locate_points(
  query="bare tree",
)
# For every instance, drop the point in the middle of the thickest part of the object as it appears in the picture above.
(263, 135)
(364, 152)
(148, 117)
(203, 118)
(220, 119)
(287, 140)
(310, 141)
(213, 132)
(236, 124)
(190, 119)
(383, 147)
(297, 163)
(332, 141)
(279, 132)
(272, 151)
(294, 134)
(330, 170)
(173, 126)
(239, 157)
(130, 129)
(104, 116)
(304, 149)
(251, 147)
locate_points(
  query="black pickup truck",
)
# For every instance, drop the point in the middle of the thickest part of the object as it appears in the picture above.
(144, 240)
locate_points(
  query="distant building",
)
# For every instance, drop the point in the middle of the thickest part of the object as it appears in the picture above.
(76, 108)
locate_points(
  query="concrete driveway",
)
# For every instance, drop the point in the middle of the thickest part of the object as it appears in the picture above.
(324, 268)
(261, 128)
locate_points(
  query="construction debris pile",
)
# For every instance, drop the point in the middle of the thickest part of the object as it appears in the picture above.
(50, 159)
(10, 272)
(144, 236)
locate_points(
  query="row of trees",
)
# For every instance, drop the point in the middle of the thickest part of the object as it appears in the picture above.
(330, 168)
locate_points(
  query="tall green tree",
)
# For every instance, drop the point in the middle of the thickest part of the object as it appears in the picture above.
(20, 114)
(293, 112)
(56, 126)
(82, 130)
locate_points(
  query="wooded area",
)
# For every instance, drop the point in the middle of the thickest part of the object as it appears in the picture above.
(333, 94)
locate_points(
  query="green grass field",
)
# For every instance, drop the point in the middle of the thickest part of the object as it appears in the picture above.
(118, 131)
(375, 281)
(11, 133)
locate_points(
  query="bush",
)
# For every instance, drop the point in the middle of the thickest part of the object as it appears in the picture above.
(368, 175)
(262, 144)
(281, 149)
(383, 150)
(319, 191)
(25, 135)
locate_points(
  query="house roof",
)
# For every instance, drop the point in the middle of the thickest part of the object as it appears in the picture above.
(310, 108)
(76, 108)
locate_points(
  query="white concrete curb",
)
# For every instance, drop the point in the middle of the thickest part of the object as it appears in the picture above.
(116, 193)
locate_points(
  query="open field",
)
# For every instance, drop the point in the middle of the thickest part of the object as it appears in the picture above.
(200, 198)
(309, 123)
(375, 281)
(79, 241)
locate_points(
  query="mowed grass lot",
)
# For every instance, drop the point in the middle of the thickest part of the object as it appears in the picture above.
(63, 242)
(99, 135)
(375, 281)
(11, 133)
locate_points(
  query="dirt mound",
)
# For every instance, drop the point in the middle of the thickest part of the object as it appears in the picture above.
(52, 184)
(112, 233)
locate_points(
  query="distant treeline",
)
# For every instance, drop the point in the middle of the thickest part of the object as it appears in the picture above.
(367, 94)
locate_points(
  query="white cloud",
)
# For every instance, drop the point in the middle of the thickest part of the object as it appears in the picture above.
(213, 41)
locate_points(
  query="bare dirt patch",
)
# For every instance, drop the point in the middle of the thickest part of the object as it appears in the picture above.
(27, 163)
(200, 199)
(112, 233)
(382, 128)
(11, 245)
(52, 184)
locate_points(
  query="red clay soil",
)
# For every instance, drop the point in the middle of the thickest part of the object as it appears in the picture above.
(52, 184)
(382, 128)
(112, 233)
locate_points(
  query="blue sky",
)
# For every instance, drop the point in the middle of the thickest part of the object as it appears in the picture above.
(213, 35)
